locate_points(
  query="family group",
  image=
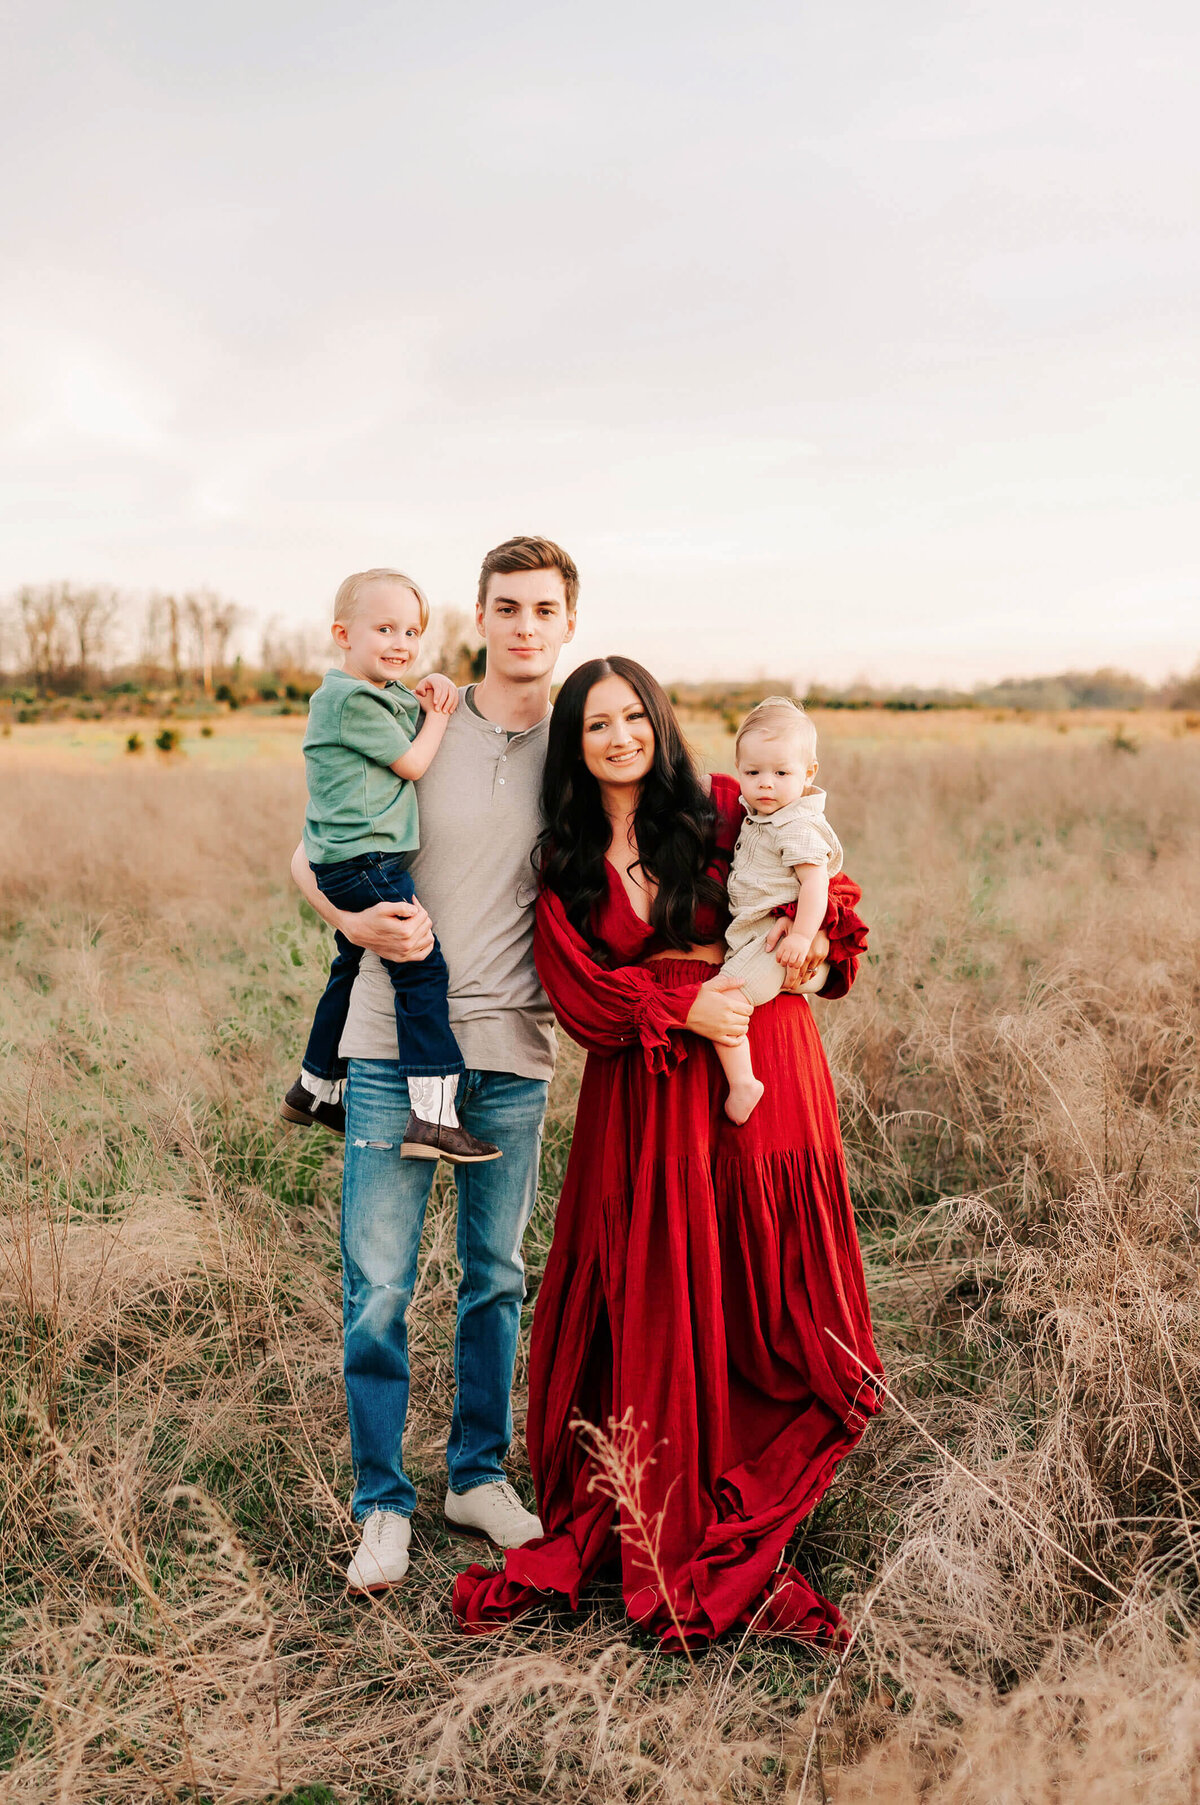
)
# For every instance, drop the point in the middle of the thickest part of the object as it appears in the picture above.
(491, 865)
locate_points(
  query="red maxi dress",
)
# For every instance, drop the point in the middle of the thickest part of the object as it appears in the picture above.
(694, 1269)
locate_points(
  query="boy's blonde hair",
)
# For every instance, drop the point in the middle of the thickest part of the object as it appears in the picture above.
(345, 602)
(778, 716)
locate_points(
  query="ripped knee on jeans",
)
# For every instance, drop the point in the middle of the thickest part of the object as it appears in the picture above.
(379, 1146)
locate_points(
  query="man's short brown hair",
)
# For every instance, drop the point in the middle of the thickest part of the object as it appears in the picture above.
(527, 553)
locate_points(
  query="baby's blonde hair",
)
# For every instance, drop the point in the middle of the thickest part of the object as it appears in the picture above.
(345, 602)
(778, 716)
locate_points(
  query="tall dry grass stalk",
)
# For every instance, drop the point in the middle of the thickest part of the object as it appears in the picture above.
(1017, 1541)
(622, 1453)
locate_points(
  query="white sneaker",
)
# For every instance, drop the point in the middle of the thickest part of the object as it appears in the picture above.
(381, 1558)
(492, 1510)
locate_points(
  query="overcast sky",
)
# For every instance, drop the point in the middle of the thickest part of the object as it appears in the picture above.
(839, 338)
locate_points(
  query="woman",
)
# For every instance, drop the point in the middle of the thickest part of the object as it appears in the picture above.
(695, 1265)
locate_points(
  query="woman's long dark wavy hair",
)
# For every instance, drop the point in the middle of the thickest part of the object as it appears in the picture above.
(673, 822)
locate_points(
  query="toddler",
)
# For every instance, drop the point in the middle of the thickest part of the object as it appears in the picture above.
(786, 853)
(365, 746)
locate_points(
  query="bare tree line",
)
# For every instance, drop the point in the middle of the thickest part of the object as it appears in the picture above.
(67, 639)
(64, 639)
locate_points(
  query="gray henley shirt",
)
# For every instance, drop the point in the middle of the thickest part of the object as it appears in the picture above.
(479, 803)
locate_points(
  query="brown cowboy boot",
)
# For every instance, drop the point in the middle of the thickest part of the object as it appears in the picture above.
(301, 1106)
(431, 1140)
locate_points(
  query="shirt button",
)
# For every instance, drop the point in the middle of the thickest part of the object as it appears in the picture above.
(497, 730)
(502, 780)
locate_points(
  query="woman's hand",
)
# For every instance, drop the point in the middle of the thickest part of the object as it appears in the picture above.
(436, 694)
(720, 1012)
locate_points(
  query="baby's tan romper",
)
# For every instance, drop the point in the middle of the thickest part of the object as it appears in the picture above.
(762, 880)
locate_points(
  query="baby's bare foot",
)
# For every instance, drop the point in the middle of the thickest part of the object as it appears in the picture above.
(743, 1100)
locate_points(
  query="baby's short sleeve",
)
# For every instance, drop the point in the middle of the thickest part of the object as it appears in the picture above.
(368, 725)
(810, 842)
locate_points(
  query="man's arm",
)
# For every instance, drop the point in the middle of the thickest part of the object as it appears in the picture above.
(395, 930)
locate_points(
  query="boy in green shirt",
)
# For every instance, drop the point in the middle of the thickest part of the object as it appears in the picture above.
(365, 746)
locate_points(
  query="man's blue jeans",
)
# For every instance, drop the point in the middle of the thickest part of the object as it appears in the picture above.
(383, 1210)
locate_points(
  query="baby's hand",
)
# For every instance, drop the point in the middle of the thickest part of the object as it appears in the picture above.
(794, 949)
(436, 694)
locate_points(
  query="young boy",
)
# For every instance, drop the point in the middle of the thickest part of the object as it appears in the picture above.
(365, 746)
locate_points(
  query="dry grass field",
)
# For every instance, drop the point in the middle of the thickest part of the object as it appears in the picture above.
(1017, 1540)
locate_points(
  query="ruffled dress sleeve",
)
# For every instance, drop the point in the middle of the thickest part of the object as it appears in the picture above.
(847, 935)
(608, 1012)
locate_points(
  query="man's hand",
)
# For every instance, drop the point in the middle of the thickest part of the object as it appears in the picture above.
(436, 694)
(395, 930)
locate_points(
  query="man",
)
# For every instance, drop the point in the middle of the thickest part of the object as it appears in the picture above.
(479, 811)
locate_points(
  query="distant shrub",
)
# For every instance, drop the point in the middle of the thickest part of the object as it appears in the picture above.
(1105, 688)
(1120, 741)
(206, 732)
(134, 743)
(167, 740)
(1184, 692)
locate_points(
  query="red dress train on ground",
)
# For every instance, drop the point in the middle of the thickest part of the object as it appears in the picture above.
(694, 1270)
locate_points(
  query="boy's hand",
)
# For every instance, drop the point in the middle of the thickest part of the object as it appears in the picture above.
(436, 694)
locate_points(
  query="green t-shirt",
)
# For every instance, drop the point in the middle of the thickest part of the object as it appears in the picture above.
(355, 803)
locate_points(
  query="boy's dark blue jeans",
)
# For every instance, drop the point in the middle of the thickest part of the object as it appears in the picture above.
(428, 1048)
